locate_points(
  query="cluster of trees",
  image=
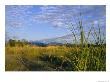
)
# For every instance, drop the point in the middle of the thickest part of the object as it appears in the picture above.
(13, 42)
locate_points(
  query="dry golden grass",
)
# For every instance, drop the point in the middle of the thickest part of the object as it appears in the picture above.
(54, 58)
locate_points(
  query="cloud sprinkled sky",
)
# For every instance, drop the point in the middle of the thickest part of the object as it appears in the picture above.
(34, 22)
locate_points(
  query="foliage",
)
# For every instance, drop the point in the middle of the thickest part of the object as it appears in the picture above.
(20, 43)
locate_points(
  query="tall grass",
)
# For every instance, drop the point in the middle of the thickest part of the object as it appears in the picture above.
(55, 58)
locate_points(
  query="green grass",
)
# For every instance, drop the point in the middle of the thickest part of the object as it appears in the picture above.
(55, 58)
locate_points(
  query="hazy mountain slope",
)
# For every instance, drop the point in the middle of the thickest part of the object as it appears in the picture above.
(56, 40)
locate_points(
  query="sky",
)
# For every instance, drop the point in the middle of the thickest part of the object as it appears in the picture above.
(36, 22)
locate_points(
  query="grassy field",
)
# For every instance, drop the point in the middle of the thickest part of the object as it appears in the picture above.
(81, 48)
(55, 58)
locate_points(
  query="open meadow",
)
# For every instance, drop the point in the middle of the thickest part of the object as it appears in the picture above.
(55, 58)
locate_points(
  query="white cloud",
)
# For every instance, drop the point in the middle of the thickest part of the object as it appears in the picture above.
(66, 14)
(59, 15)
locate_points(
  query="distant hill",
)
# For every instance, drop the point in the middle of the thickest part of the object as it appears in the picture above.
(54, 41)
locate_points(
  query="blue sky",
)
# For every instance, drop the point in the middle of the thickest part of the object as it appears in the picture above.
(35, 22)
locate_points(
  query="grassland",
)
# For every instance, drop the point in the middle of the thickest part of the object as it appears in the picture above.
(55, 58)
(85, 52)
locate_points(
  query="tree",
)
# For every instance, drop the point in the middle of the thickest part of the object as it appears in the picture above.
(12, 42)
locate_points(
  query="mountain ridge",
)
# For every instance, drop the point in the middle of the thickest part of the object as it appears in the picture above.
(62, 39)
